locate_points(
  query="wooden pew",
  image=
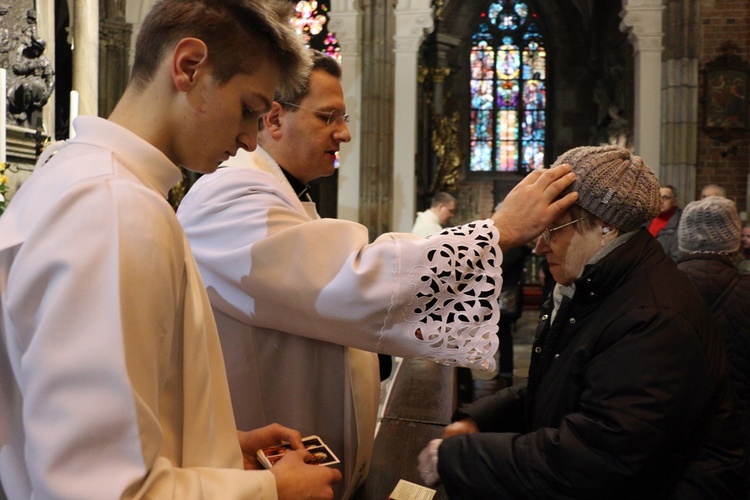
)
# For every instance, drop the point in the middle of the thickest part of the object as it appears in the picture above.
(421, 403)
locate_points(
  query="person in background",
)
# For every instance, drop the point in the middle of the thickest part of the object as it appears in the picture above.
(511, 309)
(435, 218)
(664, 226)
(628, 394)
(303, 303)
(743, 261)
(112, 383)
(713, 190)
(709, 238)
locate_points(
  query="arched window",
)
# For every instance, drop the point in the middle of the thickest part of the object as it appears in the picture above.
(311, 21)
(508, 90)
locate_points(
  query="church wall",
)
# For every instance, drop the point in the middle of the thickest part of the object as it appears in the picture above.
(725, 162)
(582, 43)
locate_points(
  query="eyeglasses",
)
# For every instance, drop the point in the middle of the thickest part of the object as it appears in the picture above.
(547, 233)
(334, 117)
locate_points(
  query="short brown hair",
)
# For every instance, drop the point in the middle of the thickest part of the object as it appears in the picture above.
(236, 33)
(442, 198)
(320, 62)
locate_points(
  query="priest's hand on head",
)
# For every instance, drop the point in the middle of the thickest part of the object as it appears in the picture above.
(532, 205)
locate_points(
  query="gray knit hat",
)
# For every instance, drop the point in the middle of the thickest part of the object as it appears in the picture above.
(710, 225)
(613, 184)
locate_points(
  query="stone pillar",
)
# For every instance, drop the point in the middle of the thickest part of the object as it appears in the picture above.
(85, 31)
(114, 49)
(376, 158)
(45, 23)
(346, 21)
(134, 14)
(643, 20)
(680, 127)
(680, 95)
(413, 20)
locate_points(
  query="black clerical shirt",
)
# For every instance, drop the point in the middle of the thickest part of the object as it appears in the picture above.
(300, 188)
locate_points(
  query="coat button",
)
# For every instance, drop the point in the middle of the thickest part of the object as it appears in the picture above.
(544, 318)
(591, 294)
(537, 349)
(572, 321)
(557, 355)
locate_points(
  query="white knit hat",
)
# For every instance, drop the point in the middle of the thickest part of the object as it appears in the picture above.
(710, 225)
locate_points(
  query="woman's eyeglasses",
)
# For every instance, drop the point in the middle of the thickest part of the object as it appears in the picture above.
(547, 233)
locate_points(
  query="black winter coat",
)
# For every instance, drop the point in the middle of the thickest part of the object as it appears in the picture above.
(713, 274)
(628, 397)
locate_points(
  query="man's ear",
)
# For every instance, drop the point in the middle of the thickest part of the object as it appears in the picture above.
(189, 60)
(272, 121)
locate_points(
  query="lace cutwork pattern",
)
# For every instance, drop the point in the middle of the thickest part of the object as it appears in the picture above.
(455, 308)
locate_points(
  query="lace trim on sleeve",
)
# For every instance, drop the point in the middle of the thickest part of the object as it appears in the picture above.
(455, 309)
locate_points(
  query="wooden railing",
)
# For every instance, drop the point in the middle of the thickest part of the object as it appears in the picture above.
(420, 406)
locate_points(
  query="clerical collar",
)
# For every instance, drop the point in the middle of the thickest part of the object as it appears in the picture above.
(300, 188)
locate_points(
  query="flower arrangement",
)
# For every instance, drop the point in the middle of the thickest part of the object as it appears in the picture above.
(3, 188)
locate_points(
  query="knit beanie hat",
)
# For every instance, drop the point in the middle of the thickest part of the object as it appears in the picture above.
(710, 225)
(613, 184)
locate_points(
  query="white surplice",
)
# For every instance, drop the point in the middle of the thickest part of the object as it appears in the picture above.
(112, 383)
(290, 290)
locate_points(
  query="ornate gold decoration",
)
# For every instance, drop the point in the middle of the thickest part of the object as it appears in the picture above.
(439, 74)
(445, 145)
(439, 5)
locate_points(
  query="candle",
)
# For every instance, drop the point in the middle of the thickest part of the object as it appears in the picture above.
(3, 123)
(73, 112)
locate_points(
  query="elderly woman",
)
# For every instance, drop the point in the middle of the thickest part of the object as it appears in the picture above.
(628, 393)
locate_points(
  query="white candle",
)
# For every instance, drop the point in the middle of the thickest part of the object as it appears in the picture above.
(3, 122)
(73, 112)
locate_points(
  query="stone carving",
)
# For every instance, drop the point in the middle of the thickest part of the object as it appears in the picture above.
(31, 78)
(609, 96)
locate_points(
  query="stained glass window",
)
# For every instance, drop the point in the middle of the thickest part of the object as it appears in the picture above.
(508, 87)
(311, 21)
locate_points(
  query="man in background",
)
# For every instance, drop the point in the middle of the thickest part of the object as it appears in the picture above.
(435, 218)
(664, 226)
(713, 190)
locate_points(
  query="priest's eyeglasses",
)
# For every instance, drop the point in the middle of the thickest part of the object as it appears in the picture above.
(332, 118)
(547, 233)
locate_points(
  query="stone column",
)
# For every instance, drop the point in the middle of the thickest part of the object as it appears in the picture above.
(643, 20)
(45, 22)
(85, 31)
(680, 95)
(345, 20)
(413, 20)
